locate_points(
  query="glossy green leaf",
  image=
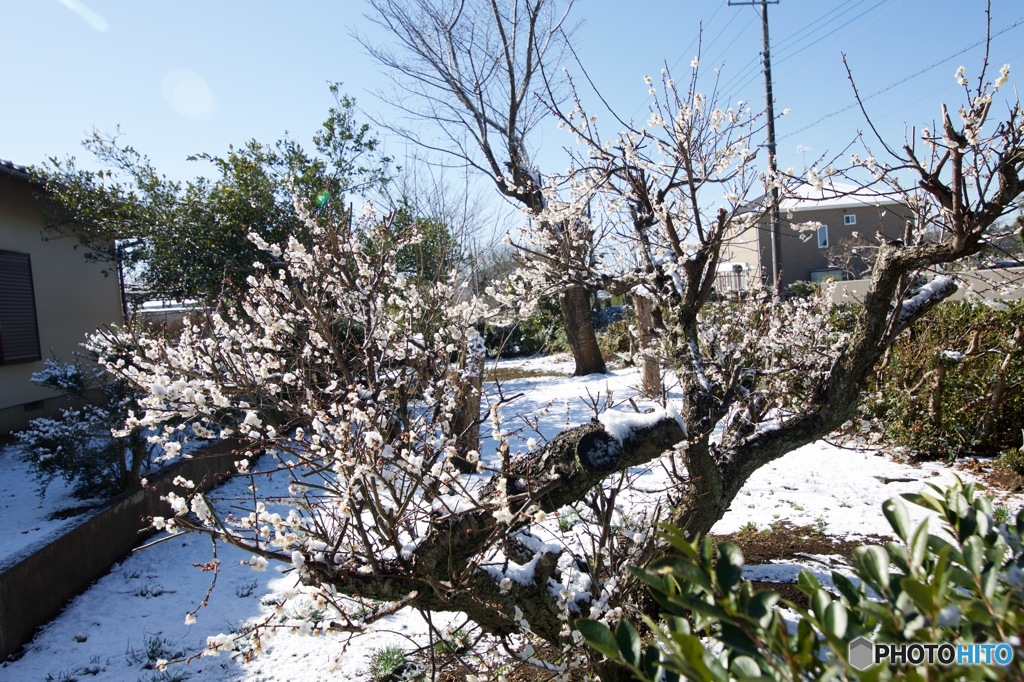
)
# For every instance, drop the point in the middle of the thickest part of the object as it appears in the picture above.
(836, 619)
(729, 567)
(918, 545)
(898, 516)
(598, 636)
(925, 500)
(875, 562)
(628, 640)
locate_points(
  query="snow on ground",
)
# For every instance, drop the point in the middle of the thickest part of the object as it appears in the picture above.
(136, 614)
(35, 519)
(26, 513)
(839, 490)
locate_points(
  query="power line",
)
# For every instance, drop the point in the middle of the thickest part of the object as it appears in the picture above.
(867, 11)
(744, 75)
(810, 28)
(707, 50)
(687, 49)
(903, 80)
(819, 39)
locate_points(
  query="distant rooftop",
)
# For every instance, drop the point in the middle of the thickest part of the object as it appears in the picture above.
(806, 197)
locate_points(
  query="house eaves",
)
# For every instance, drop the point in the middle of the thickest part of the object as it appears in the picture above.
(19, 174)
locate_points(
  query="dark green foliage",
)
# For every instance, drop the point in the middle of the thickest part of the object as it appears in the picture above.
(190, 239)
(431, 258)
(802, 289)
(78, 446)
(617, 339)
(540, 332)
(902, 399)
(964, 584)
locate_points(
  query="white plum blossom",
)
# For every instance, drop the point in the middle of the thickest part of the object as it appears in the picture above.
(1004, 75)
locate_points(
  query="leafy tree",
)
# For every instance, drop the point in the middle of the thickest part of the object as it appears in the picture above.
(190, 239)
(954, 386)
(435, 252)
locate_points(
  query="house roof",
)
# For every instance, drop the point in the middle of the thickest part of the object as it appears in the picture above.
(806, 197)
(18, 173)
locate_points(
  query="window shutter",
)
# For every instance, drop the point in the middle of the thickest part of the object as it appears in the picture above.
(19, 333)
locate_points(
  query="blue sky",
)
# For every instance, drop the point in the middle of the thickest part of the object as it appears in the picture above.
(197, 75)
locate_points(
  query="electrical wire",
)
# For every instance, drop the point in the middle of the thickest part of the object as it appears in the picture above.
(903, 80)
(686, 50)
(782, 58)
(744, 74)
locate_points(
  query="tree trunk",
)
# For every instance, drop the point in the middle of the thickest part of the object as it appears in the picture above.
(466, 421)
(579, 331)
(651, 385)
(935, 400)
(138, 454)
(999, 390)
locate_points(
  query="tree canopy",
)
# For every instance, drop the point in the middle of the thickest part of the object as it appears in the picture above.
(190, 239)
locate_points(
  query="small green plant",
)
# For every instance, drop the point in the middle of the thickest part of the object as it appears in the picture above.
(149, 590)
(62, 676)
(821, 525)
(93, 668)
(387, 664)
(81, 638)
(568, 520)
(154, 649)
(245, 589)
(803, 289)
(750, 532)
(960, 585)
(166, 676)
(1013, 459)
(453, 643)
(78, 445)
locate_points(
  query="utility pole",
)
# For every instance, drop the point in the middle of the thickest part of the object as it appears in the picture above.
(776, 239)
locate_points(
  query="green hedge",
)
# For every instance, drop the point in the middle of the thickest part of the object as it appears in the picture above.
(967, 348)
(962, 583)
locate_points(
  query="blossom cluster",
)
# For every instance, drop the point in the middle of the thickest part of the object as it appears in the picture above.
(334, 365)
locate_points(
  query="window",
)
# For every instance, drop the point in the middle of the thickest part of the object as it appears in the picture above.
(849, 219)
(822, 236)
(19, 334)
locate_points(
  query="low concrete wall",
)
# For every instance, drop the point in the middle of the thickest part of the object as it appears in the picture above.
(997, 283)
(35, 587)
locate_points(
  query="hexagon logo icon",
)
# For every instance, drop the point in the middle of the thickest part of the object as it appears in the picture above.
(862, 653)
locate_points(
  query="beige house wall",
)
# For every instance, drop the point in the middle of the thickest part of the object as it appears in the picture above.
(743, 248)
(72, 296)
(800, 257)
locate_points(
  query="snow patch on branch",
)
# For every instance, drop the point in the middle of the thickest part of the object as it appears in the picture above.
(932, 292)
(621, 425)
